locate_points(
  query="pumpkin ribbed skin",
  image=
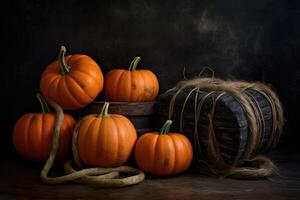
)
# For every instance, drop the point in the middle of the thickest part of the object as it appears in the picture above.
(131, 85)
(163, 154)
(105, 141)
(75, 88)
(32, 135)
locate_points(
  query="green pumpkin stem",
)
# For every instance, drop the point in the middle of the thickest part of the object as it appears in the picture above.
(64, 68)
(104, 110)
(43, 103)
(165, 129)
(134, 63)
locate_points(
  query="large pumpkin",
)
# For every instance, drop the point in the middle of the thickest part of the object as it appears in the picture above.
(32, 134)
(105, 140)
(163, 153)
(72, 81)
(131, 85)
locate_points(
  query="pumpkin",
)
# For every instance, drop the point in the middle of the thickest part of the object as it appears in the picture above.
(32, 134)
(131, 85)
(163, 153)
(105, 140)
(72, 81)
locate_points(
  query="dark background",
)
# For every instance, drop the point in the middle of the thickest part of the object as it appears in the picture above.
(255, 40)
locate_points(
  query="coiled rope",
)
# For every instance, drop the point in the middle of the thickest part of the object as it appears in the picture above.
(261, 166)
(99, 176)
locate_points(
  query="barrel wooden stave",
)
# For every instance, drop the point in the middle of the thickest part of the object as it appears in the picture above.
(230, 123)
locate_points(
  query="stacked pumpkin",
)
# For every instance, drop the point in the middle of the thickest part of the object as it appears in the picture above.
(156, 153)
(104, 140)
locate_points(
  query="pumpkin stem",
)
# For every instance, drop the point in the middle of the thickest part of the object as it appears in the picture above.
(43, 103)
(166, 127)
(64, 68)
(134, 63)
(104, 110)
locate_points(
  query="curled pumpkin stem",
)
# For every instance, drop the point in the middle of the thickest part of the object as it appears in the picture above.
(104, 110)
(64, 68)
(134, 63)
(166, 127)
(43, 103)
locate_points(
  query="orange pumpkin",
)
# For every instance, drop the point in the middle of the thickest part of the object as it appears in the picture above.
(163, 153)
(72, 81)
(105, 140)
(32, 134)
(131, 85)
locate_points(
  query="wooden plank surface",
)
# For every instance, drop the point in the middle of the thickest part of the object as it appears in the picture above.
(124, 108)
(19, 179)
(141, 114)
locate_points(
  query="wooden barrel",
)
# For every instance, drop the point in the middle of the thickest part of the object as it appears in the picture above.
(229, 122)
(141, 114)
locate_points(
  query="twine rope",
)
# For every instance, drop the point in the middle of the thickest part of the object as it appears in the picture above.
(99, 176)
(264, 166)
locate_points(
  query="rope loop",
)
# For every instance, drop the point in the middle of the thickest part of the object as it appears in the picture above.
(261, 166)
(99, 176)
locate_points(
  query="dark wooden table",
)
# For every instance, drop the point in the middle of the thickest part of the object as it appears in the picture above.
(20, 180)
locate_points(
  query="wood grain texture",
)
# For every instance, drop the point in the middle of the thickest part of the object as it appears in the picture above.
(20, 180)
(126, 108)
(141, 114)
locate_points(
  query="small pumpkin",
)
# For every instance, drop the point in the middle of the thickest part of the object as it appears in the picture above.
(105, 140)
(131, 85)
(32, 134)
(72, 81)
(163, 153)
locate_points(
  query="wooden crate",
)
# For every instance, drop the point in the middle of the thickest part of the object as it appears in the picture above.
(141, 114)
